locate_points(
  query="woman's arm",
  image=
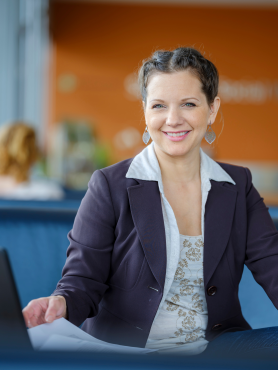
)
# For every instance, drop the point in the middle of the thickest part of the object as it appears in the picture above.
(262, 242)
(92, 238)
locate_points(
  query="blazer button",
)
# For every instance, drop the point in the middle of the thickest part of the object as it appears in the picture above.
(212, 290)
(216, 327)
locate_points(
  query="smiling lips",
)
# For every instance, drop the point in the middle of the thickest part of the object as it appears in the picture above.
(176, 136)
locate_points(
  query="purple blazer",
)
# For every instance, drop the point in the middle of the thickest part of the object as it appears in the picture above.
(117, 255)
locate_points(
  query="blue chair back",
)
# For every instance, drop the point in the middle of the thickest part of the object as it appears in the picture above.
(35, 236)
(257, 308)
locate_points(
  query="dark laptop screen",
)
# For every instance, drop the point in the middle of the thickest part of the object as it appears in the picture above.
(13, 332)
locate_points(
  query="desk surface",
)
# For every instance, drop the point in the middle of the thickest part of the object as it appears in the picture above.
(81, 361)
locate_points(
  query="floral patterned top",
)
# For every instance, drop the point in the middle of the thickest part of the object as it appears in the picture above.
(182, 321)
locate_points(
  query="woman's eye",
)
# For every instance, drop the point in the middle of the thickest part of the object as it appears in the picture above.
(158, 106)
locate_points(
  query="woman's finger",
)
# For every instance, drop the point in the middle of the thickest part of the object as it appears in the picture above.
(34, 310)
(28, 312)
(33, 322)
(56, 309)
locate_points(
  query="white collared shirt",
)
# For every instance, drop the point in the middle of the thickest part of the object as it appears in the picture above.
(145, 166)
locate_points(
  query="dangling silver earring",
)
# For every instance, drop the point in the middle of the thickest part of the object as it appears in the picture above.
(210, 134)
(146, 136)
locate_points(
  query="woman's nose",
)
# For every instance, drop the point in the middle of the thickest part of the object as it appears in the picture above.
(173, 118)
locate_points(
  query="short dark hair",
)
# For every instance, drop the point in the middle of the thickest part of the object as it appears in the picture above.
(183, 58)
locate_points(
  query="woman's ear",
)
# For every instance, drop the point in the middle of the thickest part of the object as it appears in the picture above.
(144, 106)
(214, 107)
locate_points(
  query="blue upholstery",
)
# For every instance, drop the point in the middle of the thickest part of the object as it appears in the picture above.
(257, 308)
(36, 240)
(35, 204)
(74, 194)
(35, 235)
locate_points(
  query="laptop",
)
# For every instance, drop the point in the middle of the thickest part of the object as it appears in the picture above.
(13, 331)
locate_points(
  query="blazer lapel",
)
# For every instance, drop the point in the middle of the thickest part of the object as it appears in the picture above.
(219, 214)
(146, 210)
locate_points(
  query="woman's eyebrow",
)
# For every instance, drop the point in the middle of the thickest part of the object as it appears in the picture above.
(157, 100)
(191, 97)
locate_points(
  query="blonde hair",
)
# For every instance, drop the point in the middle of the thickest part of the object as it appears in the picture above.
(18, 150)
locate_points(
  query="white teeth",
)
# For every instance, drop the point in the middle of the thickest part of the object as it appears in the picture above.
(178, 134)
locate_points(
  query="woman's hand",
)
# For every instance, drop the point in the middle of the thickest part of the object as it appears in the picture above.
(44, 310)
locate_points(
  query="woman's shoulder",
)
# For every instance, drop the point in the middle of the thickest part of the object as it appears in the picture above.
(112, 180)
(121, 167)
(116, 173)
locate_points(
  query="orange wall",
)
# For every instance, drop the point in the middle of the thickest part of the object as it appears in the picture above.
(101, 44)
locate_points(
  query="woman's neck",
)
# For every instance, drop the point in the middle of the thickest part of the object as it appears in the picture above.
(179, 169)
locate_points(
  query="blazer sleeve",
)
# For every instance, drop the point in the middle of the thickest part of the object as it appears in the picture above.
(262, 242)
(86, 270)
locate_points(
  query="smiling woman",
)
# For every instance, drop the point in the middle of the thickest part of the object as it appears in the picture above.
(159, 242)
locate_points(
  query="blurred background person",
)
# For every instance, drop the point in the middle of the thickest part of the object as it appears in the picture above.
(18, 153)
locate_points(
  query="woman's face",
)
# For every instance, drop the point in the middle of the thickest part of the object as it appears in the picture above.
(177, 112)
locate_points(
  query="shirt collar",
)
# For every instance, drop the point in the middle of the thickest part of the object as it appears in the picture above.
(213, 170)
(145, 166)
